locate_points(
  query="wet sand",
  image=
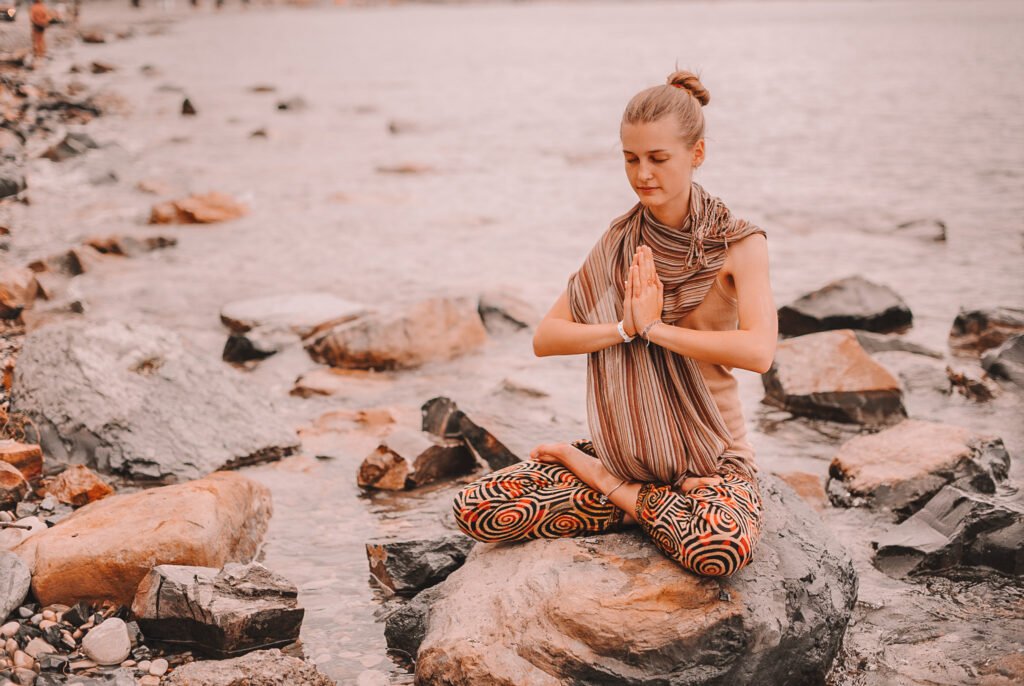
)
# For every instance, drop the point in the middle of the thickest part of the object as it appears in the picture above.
(813, 132)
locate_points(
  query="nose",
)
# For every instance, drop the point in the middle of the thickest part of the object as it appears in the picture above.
(644, 173)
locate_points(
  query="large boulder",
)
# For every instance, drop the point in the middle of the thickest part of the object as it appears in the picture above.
(902, 467)
(828, 375)
(135, 400)
(404, 337)
(613, 609)
(955, 528)
(222, 613)
(102, 551)
(849, 303)
(259, 668)
(975, 331)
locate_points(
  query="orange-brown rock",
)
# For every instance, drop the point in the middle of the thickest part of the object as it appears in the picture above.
(808, 486)
(26, 457)
(207, 208)
(407, 459)
(13, 486)
(829, 375)
(17, 291)
(104, 549)
(332, 381)
(78, 485)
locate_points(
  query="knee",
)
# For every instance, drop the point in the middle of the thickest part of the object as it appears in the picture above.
(720, 560)
(465, 513)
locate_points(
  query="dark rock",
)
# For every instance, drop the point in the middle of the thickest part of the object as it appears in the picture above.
(135, 399)
(12, 182)
(927, 229)
(257, 344)
(260, 668)
(501, 311)
(187, 108)
(407, 459)
(849, 303)
(52, 662)
(406, 625)
(296, 104)
(612, 609)
(222, 613)
(877, 342)
(975, 331)
(443, 418)
(971, 385)
(407, 567)
(15, 579)
(901, 468)
(828, 375)
(955, 528)
(77, 615)
(98, 67)
(1006, 361)
(74, 144)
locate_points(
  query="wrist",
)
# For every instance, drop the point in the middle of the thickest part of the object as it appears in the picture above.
(624, 335)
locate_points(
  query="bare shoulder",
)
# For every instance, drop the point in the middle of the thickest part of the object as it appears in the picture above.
(749, 252)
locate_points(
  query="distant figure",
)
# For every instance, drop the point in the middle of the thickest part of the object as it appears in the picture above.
(39, 17)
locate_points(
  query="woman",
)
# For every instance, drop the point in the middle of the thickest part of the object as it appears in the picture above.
(673, 296)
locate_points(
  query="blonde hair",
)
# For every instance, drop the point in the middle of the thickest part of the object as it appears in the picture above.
(682, 96)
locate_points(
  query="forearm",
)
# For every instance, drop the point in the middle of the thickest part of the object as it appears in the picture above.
(561, 337)
(735, 348)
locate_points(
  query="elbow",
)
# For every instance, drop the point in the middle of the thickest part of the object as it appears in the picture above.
(765, 360)
(539, 349)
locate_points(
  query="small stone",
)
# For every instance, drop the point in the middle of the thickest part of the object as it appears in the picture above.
(25, 676)
(108, 643)
(158, 667)
(46, 624)
(38, 646)
(36, 618)
(48, 503)
(129, 663)
(144, 665)
(11, 646)
(23, 659)
(50, 614)
(149, 680)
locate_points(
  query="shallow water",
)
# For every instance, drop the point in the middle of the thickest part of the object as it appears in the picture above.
(829, 124)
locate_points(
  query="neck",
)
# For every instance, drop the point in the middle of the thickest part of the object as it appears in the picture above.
(673, 213)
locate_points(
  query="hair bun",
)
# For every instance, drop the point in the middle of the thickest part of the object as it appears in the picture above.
(689, 81)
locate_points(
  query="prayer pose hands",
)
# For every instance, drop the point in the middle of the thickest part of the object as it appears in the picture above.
(645, 293)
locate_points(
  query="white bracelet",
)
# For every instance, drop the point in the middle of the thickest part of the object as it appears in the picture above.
(622, 332)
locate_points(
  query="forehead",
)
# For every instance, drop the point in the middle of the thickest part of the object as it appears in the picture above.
(662, 134)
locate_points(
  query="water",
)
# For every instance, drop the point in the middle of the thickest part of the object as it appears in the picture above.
(829, 124)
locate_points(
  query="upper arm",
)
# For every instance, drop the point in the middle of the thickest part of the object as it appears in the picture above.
(561, 310)
(755, 304)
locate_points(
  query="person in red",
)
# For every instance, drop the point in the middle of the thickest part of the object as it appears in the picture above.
(39, 17)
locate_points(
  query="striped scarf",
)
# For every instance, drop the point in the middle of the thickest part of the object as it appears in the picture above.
(652, 417)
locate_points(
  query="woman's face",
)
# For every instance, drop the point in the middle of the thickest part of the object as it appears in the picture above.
(659, 165)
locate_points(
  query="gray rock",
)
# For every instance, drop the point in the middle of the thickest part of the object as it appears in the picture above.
(303, 313)
(849, 303)
(955, 528)
(878, 342)
(15, 579)
(443, 418)
(407, 567)
(260, 668)
(240, 608)
(1006, 361)
(74, 144)
(933, 230)
(406, 624)
(975, 331)
(12, 182)
(117, 677)
(501, 311)
(107, 643)
(408, 459)
(134, 399)
(613, 609)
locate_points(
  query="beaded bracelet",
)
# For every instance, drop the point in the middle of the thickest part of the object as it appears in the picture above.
(643, 334)
(604, 497)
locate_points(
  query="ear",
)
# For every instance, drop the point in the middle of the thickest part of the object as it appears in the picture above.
(698, 153)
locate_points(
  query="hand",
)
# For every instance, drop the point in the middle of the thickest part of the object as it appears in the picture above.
(627, 302)
(648, 292)
(550, 453)
(694, 482)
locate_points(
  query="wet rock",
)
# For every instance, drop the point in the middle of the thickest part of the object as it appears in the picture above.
(971, 385)
(78, 485)
(206, 208)
(13, 486)
(12, 181)
(18, 289)
(828, 375)
(901, 468)
(1006, 361)
(403, 338)
(103, 550)
(443, 418)
(15, 579)
(27, 458)
(501, 311)
(955, 528)
(187, 108)
(222, 613)
(405, 625)
(108, 642)
(408, 459)
(134, 399)
(257, 344)
(975, 331)
(303, 313)
(259, 668)
(927, 229)
(407, 567)
(582, 610)
(877, 342)
(73, 145)
(849, 303)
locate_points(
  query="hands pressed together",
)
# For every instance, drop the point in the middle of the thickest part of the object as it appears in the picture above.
(644, 298)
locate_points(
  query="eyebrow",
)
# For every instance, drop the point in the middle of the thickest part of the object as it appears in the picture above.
(650, 152)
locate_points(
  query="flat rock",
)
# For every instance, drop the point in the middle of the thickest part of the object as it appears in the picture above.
(503, 311)
(878, 342)
(259, 668)
(849, 303)
(808, 486)
(78, 485)
(103, 550)
(902, 467)
(955, 528)
(18, 290)
(1006, 361)
(612, 609)
(26, 457)
(205, 208)
(407, 459)
(223, 613)
(443, 418)
(303, 313)
(15, 579)
(404, 337)
(407, 567)
(975, 331)
(135, 400)
(828, 375)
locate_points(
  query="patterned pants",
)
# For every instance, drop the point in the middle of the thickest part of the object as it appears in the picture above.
(711, 530)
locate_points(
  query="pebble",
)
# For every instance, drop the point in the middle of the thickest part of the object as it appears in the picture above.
(50, 615)
(25, 676)
(128, 663)
(149, 680)
(23, 659)
(78, 633)
(9, 629)
(38, 646)
(159, 667)
(46, 624)
(108, 643)
(144, 665)
(6, 516)
(36, 618)
(11, 646)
